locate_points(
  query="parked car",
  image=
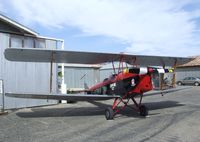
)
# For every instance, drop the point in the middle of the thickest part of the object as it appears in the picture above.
(189, 81)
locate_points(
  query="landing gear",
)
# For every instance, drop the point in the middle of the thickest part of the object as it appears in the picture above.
(143, 110)
(109, 113)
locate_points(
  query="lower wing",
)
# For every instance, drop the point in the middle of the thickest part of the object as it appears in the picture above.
(162, 92)
(74, 97)
(84, 97)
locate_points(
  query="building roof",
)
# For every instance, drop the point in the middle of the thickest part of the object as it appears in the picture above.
(17, 25)
(193, 63)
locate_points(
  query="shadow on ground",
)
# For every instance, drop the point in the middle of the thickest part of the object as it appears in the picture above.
(98, 109)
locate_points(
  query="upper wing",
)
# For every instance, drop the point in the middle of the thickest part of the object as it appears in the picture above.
(63, 56)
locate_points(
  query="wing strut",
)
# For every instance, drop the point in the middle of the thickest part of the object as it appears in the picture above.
(174, 75)
(120, 67)
(113, 67)
(162, 79)
(134, 62)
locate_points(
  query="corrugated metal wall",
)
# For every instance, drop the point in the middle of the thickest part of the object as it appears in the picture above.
(75, 77)
(26, 77)
(187, 72)
(105, 73)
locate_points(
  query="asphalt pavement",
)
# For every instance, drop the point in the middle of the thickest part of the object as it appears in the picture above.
(174, 117)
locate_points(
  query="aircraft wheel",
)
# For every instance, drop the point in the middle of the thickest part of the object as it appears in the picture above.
(109, 113)
(143, 110)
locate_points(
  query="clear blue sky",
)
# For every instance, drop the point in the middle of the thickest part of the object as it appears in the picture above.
(150, 27)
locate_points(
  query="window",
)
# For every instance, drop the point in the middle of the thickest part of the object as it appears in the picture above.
(28, 42)
(187, 78)
(16, 41)
(40, 43)
(59, 44)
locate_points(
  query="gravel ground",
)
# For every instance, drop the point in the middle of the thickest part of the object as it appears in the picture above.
(174, 117)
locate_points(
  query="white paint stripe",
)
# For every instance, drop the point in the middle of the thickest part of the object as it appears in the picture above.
(161, 70)
(143, 70)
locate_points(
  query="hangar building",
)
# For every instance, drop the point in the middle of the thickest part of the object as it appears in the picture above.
(25, 77)
(190, 69)
(79, 76)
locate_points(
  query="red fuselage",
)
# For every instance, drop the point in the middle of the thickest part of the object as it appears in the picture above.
(125, 83)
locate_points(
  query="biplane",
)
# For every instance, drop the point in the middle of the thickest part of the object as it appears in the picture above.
(125, 85)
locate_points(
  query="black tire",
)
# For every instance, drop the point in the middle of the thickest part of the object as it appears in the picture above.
(109, 113)
(179, 83)
(196, 84)
(143, 110)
